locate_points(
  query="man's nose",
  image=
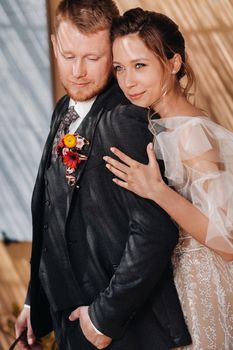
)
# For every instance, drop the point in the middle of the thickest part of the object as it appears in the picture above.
(79, 69)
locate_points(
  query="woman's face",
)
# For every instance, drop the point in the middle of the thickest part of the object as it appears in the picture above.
(138, 70)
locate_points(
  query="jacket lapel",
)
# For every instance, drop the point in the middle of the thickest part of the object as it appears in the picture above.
(45, 159)
(87, 129)
(56, 119)
(89, 125)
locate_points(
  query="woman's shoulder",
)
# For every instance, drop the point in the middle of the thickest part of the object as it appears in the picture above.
(175, 122)
(195, 125)
(199, 120)
(193, 135)
(179, 130)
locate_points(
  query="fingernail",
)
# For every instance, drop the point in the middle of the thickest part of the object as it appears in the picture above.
(112, 149)
(107, 166)
(150, 145)
(105, 158)
(30, 341)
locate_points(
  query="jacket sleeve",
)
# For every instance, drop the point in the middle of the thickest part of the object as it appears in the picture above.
(152, 237)
(28, 295)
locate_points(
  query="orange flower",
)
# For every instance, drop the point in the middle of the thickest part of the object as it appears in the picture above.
(69, 140)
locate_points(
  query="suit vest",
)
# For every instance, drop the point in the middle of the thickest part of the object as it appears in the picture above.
(55, 272)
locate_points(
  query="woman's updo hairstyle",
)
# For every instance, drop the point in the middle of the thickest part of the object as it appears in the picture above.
(160, 34)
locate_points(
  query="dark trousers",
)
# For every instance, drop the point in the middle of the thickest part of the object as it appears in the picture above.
(68, 333)
(141, 335)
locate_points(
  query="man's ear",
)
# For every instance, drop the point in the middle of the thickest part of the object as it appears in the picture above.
(54, 43)
(176, 63)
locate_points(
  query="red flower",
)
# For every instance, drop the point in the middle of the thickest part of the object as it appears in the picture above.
(71, 160)
(59, 147)
(61, 143)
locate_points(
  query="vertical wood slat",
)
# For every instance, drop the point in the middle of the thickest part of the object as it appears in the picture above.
(14, 276)
(58, 90)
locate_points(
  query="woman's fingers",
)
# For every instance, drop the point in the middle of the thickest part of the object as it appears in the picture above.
(153, 163)
(151, 154)
(121, 183)
(118, 173)
(116, 164)
(123, 157)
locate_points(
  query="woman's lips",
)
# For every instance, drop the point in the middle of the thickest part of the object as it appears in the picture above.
(136, 96)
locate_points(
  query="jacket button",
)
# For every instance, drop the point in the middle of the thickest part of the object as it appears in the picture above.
(47, 202)
(45, 226)
(45, 249)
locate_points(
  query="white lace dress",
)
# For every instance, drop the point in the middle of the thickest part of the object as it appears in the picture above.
(198, 157)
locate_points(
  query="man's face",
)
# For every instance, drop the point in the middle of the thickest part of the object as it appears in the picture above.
(84, 61)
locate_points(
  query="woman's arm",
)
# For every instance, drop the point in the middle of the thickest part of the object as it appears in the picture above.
(146, 181)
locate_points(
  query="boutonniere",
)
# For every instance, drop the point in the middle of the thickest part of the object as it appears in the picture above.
(68, 150)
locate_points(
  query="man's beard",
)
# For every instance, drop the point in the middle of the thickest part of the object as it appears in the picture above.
(82, 95)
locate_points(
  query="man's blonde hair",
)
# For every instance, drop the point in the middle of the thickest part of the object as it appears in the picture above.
(89, 16)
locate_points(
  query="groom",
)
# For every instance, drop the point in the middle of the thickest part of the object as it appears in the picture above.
(100, 267)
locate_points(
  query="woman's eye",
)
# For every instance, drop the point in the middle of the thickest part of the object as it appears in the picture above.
(118, 69)
(139, 65)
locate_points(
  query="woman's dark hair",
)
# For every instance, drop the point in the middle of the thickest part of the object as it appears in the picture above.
(160, 34)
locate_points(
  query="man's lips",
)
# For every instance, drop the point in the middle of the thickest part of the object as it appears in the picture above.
(80, 83)
(136, 96)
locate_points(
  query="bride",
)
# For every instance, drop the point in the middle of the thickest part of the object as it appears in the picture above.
(149, 62)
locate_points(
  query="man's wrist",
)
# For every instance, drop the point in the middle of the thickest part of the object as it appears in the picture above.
(96, 330)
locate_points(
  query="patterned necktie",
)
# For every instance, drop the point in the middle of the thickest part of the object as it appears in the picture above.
(70, 116)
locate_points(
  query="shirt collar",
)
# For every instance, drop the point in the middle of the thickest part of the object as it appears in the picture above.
(82, 107)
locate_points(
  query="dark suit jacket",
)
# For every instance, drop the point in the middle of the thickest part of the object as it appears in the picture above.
(119, 244)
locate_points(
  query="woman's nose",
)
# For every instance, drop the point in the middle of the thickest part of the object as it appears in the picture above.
(129, 79)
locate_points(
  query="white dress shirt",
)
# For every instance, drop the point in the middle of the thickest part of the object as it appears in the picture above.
(82, 108)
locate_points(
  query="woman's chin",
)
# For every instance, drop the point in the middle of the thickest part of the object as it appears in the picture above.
(139, 103)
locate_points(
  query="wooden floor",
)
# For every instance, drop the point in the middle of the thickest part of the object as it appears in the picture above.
(14, 276)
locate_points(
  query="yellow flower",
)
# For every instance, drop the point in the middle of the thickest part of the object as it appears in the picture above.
(69, 140)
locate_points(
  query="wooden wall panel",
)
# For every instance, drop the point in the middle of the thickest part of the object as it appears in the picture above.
(58, 90)
(207, 26)
(14, 276)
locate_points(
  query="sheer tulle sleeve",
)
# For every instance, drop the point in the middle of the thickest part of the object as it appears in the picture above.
(198, 156)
